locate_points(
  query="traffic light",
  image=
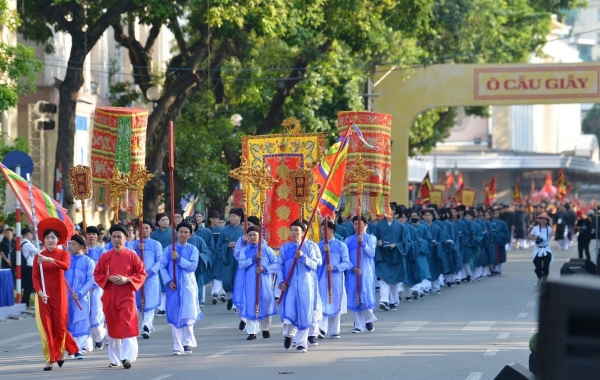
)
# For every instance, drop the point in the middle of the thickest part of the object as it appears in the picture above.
(45, 124)
(42, 114)
(42, 108)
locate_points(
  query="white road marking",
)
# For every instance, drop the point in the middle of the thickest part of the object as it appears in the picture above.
(490, 353)
(216, 355)
(474, 376)
(27, 345)
(18, 338)
(160, 377)
(410, 326)
(530, 303)
(479, 326)
(503, 336)
(522, 315)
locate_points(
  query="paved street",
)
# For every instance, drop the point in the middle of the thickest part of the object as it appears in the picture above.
(468, 332)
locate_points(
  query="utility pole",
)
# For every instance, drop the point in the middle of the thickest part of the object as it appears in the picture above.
(369, 95)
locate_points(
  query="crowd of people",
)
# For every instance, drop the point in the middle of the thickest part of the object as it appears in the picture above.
(413, 252)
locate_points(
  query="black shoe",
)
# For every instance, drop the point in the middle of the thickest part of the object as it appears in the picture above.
(146, 332)
(229, 304)
(370, 326)
(287, 343)
(215, 299)
(60, 363)
(222, 298)
(48, 367)
(126, 364)
(161, 313)
(78, 356)
(415, 295)
(301, 349)
(242, 326)
(251, 337)
(187, 350)
(393, 306)
(468, 278)
(321, 334)
(266, 334)
(313, 341)
(384, 306)
(449, 284)
(113, 365)
(99, 345)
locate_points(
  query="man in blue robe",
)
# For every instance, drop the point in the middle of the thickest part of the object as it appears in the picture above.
(204, 262)
(80, 277)
(390, 261)
(438, 253)
(340, 229)
(459, 247)
(225, 265)
(364, 305)
(299, 301)
(339, 261)
(503, 242)
(213, 225)
(151, 288)
(249, 257)
(474, 241)
(163, 235)
(490, 240)
(423, 258)
(413, 273)
(97, 320)
(183, 309)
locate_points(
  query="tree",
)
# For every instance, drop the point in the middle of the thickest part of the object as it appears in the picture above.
(85, 21)
(18, 66)
(591, 122)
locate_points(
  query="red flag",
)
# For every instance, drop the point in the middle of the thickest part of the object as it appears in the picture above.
(517, 198)
(425, 189)
(449, 181)
(492, 189)
(456, 198)
(486, 194)
(548, 185)
(460, 183)
(563, 188)
(45, 205)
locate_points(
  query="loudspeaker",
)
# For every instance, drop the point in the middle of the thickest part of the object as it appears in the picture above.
(515, 371)
(569, 329)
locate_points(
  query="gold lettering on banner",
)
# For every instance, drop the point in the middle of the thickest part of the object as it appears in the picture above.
(536, 83)
(283, 233)
(283, 191)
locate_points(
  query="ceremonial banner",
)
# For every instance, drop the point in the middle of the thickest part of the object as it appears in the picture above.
(376, 130)
(282, 154)
(436, 197)
(118, 140)
(441, 187)
(468, 197)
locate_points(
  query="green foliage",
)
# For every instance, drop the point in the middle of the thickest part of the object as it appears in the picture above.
(18, 66)
(20, 144)
(591, 123)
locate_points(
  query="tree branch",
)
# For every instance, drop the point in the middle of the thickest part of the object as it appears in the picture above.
(178, 33)
(96, 30)
(285, 88)
(152, 36)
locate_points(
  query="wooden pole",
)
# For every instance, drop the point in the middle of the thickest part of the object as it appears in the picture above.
(172, 186)
(328, 258)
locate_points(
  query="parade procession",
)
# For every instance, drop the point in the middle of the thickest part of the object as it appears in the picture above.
(291, 255)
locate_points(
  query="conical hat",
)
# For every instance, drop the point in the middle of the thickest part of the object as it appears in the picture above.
(56, 225)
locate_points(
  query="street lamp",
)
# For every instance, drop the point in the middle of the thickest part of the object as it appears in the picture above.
(153, 94)
(236, 120)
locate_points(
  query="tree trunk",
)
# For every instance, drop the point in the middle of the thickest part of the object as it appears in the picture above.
(65, 149)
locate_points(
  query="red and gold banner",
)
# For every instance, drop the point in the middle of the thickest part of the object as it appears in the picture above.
(468, 197)
(376, 130)
(282, 154)
(118, 140)
(436, 197)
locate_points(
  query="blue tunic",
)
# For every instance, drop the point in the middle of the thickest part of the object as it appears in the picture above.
(413, 273)
(96, 312)
(452, 246)
(342, 231)
(215, 231)
(165, 238)
(503, 239)
(489, 242)
(239, 282)
(182, 304)
(340, 261)
(367, 268)
(205, 255)
(445, 245)
(81, 278)
(425, 251)
(349, 227)
(475, 242)
(390, 263)
(247, 265)
(152, 256)
(226, 265)
(438, 253)
(300, 300)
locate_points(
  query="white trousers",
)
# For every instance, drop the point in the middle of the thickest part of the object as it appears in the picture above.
(436, 285)
(449, 278)
(148, 320)
(82, 342)
(254, 327)
(389, 292)
(298, 336)
(183, 337)
(426, 286)
(467, 270)
(217, 287)
(121, 349)
(486, 271)
(99, 333)
(564, 243)
(523, 243)
(361, 318)
(477, 273)
(163, 301)
(331, 325)
(498, 268)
